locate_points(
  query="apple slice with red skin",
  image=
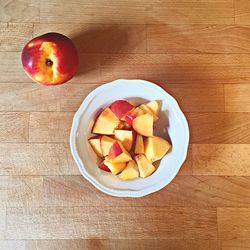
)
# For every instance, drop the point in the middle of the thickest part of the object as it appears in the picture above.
(129, 118)
(102, 166)
(133, 114)
(106, 143)
(114, 167)
(121, 108)
(118, 153)
(96, 145)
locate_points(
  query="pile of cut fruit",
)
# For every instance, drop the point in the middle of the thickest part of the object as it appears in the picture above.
(125, 139)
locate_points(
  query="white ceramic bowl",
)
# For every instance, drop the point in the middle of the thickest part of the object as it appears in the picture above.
(172, 124)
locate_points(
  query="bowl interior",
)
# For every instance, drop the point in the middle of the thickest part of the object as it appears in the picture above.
(171, 125)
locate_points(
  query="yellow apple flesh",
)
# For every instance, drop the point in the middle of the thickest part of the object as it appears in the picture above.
(154, 106)
(143, 124)
(106, 143)
(118, 153)
(126, 137)
(130, 171)
(114, 167)
(155, 148)
(106, 123)
(146, 109)
(139, 145)
(96, 145)
(145, 167)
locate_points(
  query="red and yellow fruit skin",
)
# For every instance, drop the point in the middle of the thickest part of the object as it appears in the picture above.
(102, 166)
(54, 47)
(121, 108)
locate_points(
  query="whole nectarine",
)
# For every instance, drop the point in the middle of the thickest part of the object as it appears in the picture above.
(50, 59)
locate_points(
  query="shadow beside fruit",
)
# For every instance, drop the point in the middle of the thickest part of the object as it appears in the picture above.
(99, 40)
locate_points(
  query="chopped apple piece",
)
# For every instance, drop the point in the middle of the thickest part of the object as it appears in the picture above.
(96, 145)
(118, 153)
(155, 148)
(106, 143)
(106, 123)
(115, 167)
(145, 167)
(133, 114)
(104, 167)
(143, 125)
(146, 109)
(154, 106)
(130, 171)
(126, 137)
(121, 108)
(137, 112)
(139, 145)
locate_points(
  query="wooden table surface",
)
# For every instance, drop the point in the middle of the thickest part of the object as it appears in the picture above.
(199, 51)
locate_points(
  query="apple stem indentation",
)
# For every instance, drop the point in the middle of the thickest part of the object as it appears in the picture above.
(49, 62)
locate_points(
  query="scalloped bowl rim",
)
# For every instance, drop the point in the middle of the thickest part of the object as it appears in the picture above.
(91, 179)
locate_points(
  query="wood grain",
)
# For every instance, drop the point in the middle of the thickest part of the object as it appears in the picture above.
(229, 128)
(14, 127)
(234, 223)
(13, 36)
(221, 159)
(81, 222)
(183, 12)
(100, 11)
(29, 97)
(237, 99)
(12, 245)
(33, 97)
(21, 191)
(197, 39)
(96, 244)
(202, 69)
(34, 159)
(88, 70)
(197, 98)
(199, 69)
(199, 52)
(72, 95)
(235, 244)
(138, 12)
(242, 12)
(2, 222)
(186, 168)
(68, 97)
(96, 38)
(71, 168)
(50, 126)
(19, 11)
(11, 68)
(184, 191)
